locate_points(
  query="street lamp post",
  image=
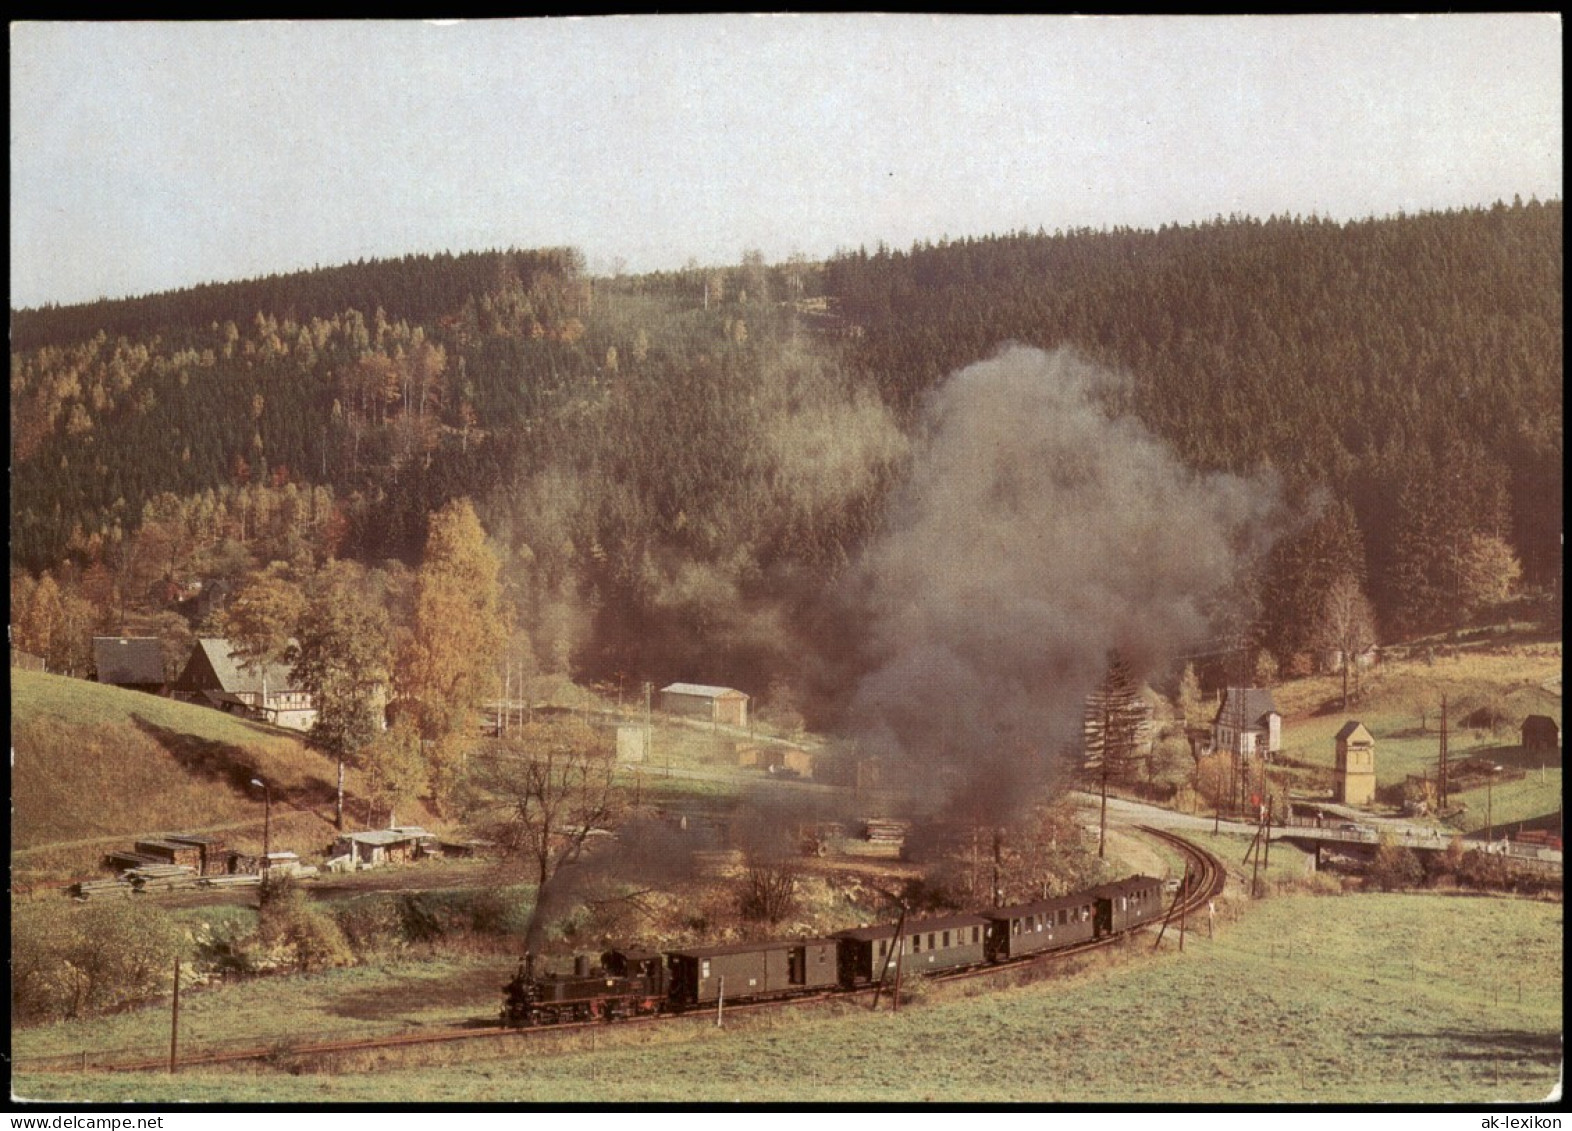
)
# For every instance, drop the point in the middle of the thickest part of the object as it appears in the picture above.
(267, 819)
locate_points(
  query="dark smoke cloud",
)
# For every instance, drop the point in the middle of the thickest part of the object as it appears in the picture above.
(1036, 532)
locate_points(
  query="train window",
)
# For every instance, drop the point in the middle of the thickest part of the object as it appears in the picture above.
(946, 938)
(930, 940)
(704, 968)
(881, 948)
(974, 934)
(1064, 916)
(916, 943)
(1015, 926)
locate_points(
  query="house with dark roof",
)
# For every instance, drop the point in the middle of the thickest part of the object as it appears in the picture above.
(702, 701)
(214, 676)
(1248, 723)
(133, 662)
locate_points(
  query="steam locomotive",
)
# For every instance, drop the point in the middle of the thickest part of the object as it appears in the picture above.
(632, 983)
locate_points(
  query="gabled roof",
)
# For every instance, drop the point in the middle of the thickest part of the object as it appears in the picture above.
(128, 659)
(703, 690)
(1257, 702)
(1350, 728)
(237, 679)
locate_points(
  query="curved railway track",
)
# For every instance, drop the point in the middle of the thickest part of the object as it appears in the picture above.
(1207, 879)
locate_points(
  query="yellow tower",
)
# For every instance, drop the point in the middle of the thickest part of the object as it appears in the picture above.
(1355, 765)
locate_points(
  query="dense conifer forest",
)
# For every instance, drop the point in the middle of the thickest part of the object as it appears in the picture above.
(676, 467)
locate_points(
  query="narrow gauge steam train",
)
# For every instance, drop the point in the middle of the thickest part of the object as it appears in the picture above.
(631, 983)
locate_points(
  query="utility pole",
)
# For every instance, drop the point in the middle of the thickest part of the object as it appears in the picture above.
(1102, 820)
(1443, 784)
(174, 1020)
(893, 955)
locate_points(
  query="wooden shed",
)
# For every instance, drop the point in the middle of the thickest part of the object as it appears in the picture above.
(133, 662)
(701, 701)
(1541, 734)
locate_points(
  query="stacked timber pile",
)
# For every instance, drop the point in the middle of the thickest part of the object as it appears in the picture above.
(239, 880)
(883, 830)
(161, 877)
(124, 860)
(98, 889)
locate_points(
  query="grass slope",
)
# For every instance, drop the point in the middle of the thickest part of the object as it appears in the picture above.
(1355, 999)
(94, 765)
(1400, 704)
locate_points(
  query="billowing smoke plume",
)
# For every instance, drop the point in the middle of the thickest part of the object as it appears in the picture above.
(1036, 532)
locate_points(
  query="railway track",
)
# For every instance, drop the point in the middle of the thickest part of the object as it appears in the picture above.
(1208, 877)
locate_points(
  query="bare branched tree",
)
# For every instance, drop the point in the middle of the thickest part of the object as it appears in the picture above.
(1347, 626)
(543, 794)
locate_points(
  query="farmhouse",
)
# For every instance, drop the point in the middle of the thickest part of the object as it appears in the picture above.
(215, 677)
(1355, 781)
(1541, 734)
(697, 700)
(133, 662)
(1248, 723)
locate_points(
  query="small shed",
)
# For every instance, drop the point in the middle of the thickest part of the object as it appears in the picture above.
(632, 744)
(1355, 780)
(133, 662)
(1541, 734)
(701, 701)
(798, 761)
(382, 846)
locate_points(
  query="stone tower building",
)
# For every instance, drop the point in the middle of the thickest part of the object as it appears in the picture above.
(1355, 784)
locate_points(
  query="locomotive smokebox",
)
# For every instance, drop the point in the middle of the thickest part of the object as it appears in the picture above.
(581, 966)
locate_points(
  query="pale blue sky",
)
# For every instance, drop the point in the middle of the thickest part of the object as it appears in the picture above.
(146, 157)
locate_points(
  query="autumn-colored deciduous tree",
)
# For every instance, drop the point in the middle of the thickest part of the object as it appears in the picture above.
(342, 658)
(449, 662)
(394, 768)
(260, 620)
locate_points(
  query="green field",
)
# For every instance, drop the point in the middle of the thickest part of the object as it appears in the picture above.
(1355, 999)
(1400, 705)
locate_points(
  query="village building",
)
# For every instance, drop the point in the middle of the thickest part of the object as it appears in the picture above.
(133, 662)
(376, 847)
(1247, 723)
(1355, 779)
(214, 676)
(700, 701)
(1541, 735)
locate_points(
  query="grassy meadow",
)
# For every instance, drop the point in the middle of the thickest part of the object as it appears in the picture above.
(95, 766)
(1400, 704)
(1360, 999)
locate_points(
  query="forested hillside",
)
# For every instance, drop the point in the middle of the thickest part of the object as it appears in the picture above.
(676, 468)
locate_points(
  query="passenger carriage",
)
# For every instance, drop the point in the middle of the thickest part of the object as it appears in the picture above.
(1126, 903)
(926, 944)
(1031, 928)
